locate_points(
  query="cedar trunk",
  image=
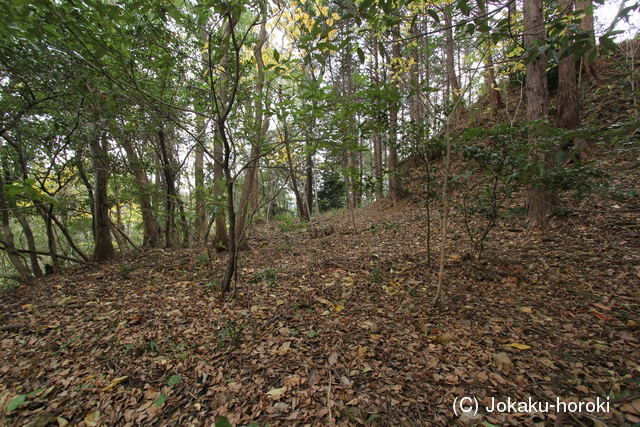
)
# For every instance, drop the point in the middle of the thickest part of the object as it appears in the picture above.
(539, 202)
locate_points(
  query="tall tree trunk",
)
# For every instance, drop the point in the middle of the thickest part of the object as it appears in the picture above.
(416, 112)
(149, 225)
(300, 204)
(201, 214)
(377, 136)
(221, 239)
(495, 98)
(250, 189)
(170, 183)
(568, 108)
(308, 167)
(539, 202)
(587, 69)
(103, 246)
(452, 78)
(392, 165)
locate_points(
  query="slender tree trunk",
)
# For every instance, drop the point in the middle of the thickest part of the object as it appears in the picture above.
(26, 228)
(452, 78)
(31, 242)
(539, 202)
(250, 189)
(7, 239)
(416, 111)
(309, 173)
(392, 165)
(377, 136)
(300, 204)
(201, 214)
(68, 237)
(587, 69)
(150, 228)
(495, 98)
(221, 239)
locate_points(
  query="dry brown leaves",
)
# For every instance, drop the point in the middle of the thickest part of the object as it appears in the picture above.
(336, 330)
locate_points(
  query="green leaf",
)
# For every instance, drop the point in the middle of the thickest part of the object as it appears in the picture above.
(327, 45)
(174, 380)
(432, 13)
(33, 393)
(160, 400)
(463, 6)
(276, 55)
(607, 43)
(15, 402)
(365, 5)
(312, 334)
(360, 55)
(222, 422)
(464, 175)
(559, 157)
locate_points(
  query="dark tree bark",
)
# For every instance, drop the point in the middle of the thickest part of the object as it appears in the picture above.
(171, 200)
(103, 246)
(539, 202)
(568, 108)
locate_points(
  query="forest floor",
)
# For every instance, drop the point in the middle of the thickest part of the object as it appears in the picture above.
(336, 327)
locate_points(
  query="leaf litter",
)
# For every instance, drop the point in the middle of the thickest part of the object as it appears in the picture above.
(335, 330)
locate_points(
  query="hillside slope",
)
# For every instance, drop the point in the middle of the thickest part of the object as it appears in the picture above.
(336, 327)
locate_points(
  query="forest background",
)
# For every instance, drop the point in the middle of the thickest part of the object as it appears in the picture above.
(137, 124)
(303, 213)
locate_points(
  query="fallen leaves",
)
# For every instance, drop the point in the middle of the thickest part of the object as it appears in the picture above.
(329, 342)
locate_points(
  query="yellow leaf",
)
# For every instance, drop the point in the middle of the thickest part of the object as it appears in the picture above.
(277, 393)
(24, 307)
(92, 418)
(113, 384)
(526, 310)
(519, 346)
